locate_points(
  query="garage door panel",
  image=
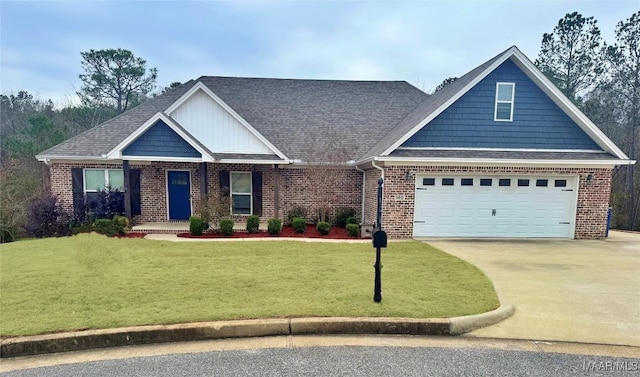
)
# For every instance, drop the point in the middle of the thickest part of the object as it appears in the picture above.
(495, 211)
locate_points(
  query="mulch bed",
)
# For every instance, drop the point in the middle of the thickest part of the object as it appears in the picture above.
(336, 233)
(133, 235)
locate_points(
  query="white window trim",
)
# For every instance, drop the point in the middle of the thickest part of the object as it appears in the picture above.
(106, 178)
(511, 102)
(231, 193)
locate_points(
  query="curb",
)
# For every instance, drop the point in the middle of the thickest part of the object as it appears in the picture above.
(128, 336)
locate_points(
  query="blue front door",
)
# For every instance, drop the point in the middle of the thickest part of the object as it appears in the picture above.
(179, 191)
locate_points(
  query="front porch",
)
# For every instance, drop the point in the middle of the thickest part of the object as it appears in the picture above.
(175, 227)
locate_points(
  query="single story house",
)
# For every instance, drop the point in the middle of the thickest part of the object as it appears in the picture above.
(500, 152)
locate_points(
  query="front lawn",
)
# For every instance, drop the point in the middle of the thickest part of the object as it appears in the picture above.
(90, 281)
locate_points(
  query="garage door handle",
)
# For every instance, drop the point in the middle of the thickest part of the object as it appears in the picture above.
(568, 190)
(419, 222)
(564, 223)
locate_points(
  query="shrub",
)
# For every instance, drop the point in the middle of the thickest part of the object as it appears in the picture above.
(253, 224)
(47, 219)
(353, 229)
(274, 226)
(296, 212)
(226, 227)
(121, 221)
(196, 225)
(299, 224)
(214, 209)
(108, 227)
(323, 227)
(352, 220)
(343, 214)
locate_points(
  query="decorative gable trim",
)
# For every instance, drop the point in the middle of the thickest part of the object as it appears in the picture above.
(116, 153)
(200, 86)
(545, 85)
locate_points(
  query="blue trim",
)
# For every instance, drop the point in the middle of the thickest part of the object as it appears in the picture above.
(162, 141)
(538, 123)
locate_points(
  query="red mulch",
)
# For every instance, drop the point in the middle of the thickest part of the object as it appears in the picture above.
(336, 233)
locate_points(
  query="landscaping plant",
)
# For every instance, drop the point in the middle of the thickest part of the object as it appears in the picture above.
(343, 216)
(274, 226)
(196, 225)
(47, 219)
(253, 224)
(353, 230)
(226, 227)
(299, 224)
(323, 227)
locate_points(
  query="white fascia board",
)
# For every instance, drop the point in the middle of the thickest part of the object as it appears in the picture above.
(566, 105)
(116, 152)
(248, 161)
(498, 149)
(450, 102)
(200, 86)
(60, 158)
(502, 162)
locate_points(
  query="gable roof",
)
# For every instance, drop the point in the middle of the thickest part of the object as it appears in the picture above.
(97, 142)
(295, 114)
(291, 114)
(441, 100)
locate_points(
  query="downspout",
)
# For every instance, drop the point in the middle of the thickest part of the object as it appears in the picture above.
(364, 185)
(373, 163)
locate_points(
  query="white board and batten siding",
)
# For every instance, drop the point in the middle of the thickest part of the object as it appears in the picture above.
(215, 127)
(495, 206)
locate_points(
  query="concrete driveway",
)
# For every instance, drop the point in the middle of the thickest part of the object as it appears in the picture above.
(563, 290)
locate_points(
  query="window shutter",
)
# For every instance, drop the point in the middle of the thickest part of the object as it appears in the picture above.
(225, 187)
(136, 206)
(256, 191)
(77, 188)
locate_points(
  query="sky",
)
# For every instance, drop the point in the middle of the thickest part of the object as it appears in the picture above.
(421, 42)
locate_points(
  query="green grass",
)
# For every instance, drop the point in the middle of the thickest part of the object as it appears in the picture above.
(90, 281)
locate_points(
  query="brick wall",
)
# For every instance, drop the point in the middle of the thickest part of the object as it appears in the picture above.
(591, 213)
(298, 187)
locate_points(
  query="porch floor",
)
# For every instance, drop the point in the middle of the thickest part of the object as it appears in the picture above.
(175, 227)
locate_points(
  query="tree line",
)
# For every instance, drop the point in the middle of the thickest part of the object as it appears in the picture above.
(602, 78)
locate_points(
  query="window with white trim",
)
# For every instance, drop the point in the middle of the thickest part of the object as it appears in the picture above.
(99, 179)
(505, 93)
(241, 195)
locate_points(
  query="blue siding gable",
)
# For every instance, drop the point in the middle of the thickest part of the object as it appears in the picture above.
(161, 141)
(538, 123)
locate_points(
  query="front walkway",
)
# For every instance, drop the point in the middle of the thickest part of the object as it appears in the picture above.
(564, 290)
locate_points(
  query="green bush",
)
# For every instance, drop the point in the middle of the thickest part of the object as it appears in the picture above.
(274, 226)
(121, 221)
(323, 227)
(353, 230)
(108, 227)
(226, 227)
(253, 224)
(352, 220)
(299, 224)
(196, 225)
(296, 212)
(343, 214)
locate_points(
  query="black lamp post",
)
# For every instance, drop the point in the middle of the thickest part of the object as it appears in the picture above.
(379, 241)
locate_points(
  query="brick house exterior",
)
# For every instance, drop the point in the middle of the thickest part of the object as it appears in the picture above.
(499, 145)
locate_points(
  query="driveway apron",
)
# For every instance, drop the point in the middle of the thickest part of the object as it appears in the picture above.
(564, 290)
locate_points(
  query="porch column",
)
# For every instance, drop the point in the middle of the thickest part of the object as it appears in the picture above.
(204, 184)
(127, 190)
(276, 191)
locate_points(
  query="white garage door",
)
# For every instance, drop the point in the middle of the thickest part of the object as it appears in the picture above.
(494, 206)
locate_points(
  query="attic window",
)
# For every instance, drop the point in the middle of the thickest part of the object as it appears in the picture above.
(505, 92)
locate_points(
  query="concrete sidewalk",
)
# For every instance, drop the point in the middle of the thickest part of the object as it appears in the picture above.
(563, 290)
